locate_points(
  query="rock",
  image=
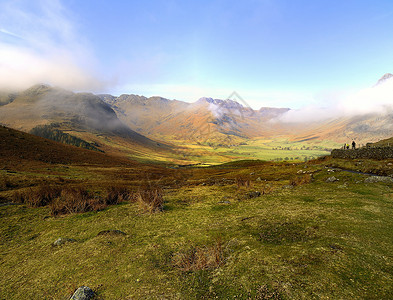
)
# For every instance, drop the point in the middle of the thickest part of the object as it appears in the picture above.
(374, 179)
(83, 293)
(289, 186)
(225, 202)
(258, 179)
(111, 232)
(60, 241)
(253, 194)
(252, 173)
(332, 179)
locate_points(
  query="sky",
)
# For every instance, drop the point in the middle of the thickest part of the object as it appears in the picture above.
(281, 53)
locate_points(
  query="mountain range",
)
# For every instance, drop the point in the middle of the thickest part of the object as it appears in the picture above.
(131, 124)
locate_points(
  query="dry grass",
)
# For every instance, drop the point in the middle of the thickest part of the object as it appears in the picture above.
(200, 258)
(41, 196)
(150, 199)
(75, 200)
(117, 194)
(243, 182)
(300, 180)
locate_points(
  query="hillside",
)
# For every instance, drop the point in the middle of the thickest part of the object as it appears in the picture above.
(82, 115)
(18, 148)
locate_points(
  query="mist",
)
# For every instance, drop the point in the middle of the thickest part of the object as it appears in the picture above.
(377, 99)
(39, 44)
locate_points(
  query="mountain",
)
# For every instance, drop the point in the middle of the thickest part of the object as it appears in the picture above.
(384, 78)
(208, 120)
(83, 115)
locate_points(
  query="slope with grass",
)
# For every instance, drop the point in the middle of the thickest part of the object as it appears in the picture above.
(247, 229)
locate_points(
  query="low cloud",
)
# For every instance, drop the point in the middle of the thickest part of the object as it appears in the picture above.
(39, 44)
(376, 99)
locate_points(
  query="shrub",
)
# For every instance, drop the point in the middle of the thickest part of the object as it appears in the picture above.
(200, 258)
(150, 199)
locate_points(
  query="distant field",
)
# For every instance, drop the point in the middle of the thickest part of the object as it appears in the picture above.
(270, 150)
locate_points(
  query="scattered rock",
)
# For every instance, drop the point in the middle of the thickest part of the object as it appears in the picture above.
(60, 241)
(253, 194)
(258, 179)
(332, 179)
(252, 173)
(225, 202)
(111, 232)
(374, 179)
(203, 184)
(83, 293)
(289, 186)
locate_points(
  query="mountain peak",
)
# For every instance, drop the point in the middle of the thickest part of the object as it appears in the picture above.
(384, 78)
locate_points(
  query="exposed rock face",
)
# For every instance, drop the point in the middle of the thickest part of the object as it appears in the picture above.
(372, 153)
(83, 293)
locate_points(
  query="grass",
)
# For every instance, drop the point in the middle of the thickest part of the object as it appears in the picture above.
(207, 239)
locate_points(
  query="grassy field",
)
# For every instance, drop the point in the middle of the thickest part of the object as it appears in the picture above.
(242, 230)
(263, 149)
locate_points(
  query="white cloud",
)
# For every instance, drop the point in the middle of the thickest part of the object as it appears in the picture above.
(39, 44)
(377, 99)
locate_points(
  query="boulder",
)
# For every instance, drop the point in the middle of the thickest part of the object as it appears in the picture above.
(83, 293)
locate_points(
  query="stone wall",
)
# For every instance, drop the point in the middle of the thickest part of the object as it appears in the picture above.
(372, 153)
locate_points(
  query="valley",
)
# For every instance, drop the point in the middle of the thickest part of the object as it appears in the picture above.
(141, 198)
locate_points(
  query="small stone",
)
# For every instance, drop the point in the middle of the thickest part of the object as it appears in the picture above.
(83, 293)
(258, 179)
(60, 241)
(289, 186)
(252, 173)
(225, 202)
(332, 179)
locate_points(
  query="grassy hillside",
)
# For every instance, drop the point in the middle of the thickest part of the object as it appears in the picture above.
(248, 229)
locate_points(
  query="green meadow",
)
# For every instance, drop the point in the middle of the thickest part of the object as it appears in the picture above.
(243, 230)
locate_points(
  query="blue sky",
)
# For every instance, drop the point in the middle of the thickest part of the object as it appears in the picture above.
(289, 53)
